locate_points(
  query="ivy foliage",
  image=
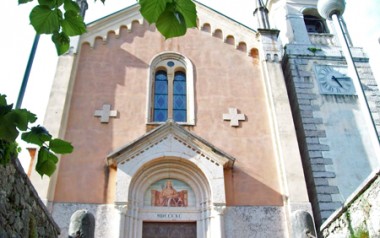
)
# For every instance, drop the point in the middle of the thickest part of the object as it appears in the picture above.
(62, 19)
(16, 121)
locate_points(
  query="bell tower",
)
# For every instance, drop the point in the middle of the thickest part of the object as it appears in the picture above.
(335, 111)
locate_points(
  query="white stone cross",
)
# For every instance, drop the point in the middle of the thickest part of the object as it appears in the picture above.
(233, 117)
(105, 113)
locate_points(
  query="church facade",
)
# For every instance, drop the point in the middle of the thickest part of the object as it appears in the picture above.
(220, 133)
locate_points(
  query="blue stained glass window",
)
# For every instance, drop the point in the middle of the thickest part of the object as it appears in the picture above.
(160, 115)
(160, 96)
(179, 97)
(170, 64)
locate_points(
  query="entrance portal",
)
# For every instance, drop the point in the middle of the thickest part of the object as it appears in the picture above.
(169, 230)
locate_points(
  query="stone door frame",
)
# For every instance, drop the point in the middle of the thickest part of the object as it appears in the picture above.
(206, 214)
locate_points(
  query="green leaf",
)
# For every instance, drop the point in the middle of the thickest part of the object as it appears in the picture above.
(8, 130)
(21, 118)
(189, 12)
(3, 100)
(59, 3)
(50, 3)
(45, 20)
(151, 10)
(37, 135)
(73, 24)
(61, 41)
(24, 1)
(11, 119)
(171, 24)
(71, 6)
(5, 109)
(31, 116)
(46, 162)
(60, 146)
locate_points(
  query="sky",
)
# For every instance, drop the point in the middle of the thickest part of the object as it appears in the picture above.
(362, 18)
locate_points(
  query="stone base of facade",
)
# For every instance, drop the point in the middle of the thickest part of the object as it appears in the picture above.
(251, 222)
(247, 221)
(107, 217)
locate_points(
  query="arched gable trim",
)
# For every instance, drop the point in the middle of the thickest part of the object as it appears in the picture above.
(171, 152)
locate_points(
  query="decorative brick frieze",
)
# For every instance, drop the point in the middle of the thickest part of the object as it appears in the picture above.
(327, 189)
(315, 154)
(306, 95)
(309, 127)
(321, 181)
(318, 147)
(324, 175)
(318, 168)
(304, 74)
(304, 102)
(312, 140)
(324, 161)
(313, 133)
(326, 214)
(324, 198)
(307, 114)
(306, 107)
(303, 90)
(303, 85)
(329, 206)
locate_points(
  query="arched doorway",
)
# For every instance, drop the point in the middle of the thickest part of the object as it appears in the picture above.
(148, 202)
(195, 169)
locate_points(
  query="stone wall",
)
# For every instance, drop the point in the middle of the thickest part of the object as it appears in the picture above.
(332, 131)
(360, 216)
(260, 221)
(22, 213)
(371, 91)
(107, 218)
(239, 221)
(304, 98)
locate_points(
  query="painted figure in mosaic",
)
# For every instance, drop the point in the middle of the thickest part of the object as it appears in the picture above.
(169, 197)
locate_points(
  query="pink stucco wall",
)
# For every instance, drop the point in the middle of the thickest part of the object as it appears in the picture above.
(116, 72)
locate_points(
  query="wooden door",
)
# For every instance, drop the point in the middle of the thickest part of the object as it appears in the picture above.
(169, 230)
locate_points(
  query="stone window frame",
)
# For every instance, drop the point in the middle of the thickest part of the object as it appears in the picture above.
(181, 63)
(314, 16)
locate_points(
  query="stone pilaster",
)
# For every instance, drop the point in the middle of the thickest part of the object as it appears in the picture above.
(56, 119)
(217, 214)
(289, 160)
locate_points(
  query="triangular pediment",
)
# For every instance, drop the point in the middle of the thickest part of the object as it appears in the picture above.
(172, 138)
(209, 20)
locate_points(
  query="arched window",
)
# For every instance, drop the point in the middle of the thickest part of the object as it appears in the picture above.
(171, 94)
(160, 96)
(179, 97)
(315, 24)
